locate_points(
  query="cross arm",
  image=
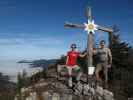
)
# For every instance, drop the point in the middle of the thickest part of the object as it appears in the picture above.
(105, 29)
(71, 25)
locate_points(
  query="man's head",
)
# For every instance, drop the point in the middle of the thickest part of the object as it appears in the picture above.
(73, 46)
(102, 43)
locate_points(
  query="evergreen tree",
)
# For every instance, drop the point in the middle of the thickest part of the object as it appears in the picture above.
(25, 79)
(122, 67)
(19, 82)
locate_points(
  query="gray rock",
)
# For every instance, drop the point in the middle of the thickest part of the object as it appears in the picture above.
(56, 96)
(33, 96)
(45, 95)
(99, 91)
(86, 88)
(108, 95)
(78, 88)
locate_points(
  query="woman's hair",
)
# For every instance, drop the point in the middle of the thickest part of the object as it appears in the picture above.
(73, 45)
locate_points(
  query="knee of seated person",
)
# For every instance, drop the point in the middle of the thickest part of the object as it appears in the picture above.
(78, 70)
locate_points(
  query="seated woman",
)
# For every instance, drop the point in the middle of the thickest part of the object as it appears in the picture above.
(71, 63)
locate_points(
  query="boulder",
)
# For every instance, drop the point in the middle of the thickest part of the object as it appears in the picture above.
(99, 91)
(108, 95)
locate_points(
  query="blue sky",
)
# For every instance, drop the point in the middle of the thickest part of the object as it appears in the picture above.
(33, 29)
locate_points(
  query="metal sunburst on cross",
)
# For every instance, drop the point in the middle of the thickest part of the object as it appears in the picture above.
(90, 27)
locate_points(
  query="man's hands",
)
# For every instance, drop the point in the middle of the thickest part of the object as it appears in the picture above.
(109, 64)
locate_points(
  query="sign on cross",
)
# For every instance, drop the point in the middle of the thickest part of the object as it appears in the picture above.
(90, 27)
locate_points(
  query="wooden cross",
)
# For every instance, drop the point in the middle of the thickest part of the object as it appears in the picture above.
(90, 35)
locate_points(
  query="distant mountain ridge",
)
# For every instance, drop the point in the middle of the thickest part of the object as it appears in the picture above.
(39, 63)
(24, 61)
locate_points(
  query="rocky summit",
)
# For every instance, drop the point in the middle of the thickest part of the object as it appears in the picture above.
(56, 88)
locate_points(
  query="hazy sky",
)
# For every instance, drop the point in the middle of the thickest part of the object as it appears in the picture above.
(33, 29)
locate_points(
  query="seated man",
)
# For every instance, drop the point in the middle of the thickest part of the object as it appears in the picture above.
(71, 63)
(104, 60)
